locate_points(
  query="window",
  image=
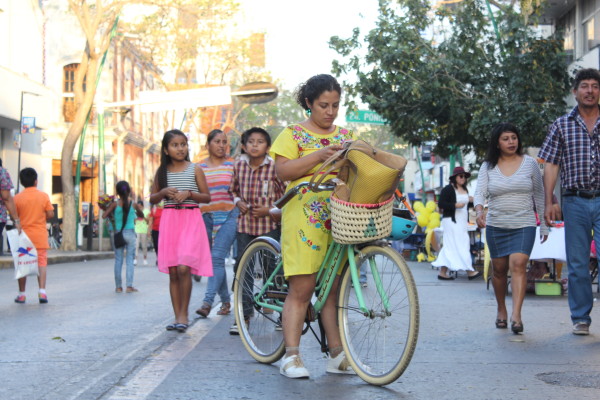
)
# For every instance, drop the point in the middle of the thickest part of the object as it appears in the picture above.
(68, 92)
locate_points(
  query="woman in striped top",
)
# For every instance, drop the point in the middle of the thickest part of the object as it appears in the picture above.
(512, 184)
(220, 219)
(183, 245)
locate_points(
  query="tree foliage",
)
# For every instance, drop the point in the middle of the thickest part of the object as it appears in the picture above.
(453, 85)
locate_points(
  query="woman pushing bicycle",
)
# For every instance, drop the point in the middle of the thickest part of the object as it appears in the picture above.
(298, 152)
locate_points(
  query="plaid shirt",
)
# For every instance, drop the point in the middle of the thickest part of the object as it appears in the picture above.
(569, 145)
(258, 188)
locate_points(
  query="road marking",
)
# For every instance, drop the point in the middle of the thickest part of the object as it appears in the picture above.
(159, 366)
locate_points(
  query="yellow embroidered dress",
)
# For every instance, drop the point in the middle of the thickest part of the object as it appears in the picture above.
(306, 222)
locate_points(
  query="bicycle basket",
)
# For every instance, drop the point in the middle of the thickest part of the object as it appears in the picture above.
(353, 223)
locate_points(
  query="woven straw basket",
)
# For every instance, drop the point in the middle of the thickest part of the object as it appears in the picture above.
(353, 223)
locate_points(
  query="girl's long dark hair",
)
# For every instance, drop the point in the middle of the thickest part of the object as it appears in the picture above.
(493, 152)
(123, 191)
(161, 173)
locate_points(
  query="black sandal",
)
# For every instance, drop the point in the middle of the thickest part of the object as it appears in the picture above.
(516, 327)
(501, 324)
(171, 327)
(181, 327)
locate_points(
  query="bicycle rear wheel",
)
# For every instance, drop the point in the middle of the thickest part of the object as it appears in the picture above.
(259, 327)
(379, 344)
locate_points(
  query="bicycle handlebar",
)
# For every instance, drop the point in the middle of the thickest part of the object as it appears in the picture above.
(294, 191)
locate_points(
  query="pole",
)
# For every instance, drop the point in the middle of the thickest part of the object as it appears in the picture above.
(23, 93)
(20, 143)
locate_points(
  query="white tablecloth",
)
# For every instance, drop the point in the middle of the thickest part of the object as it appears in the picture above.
(552, 248)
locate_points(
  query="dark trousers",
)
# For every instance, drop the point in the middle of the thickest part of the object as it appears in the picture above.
(2, 225)
(155, 242)
(243, 239)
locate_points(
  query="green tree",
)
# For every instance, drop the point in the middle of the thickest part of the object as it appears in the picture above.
(445, 76)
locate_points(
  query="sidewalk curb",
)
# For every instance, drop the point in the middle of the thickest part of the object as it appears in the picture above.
(59, 257)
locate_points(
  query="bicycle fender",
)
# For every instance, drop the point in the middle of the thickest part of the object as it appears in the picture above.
(265, 239)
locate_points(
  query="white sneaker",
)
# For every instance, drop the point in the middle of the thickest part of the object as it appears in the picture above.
(145, 262)
(135, 261)
(339, 365)
(292, 367)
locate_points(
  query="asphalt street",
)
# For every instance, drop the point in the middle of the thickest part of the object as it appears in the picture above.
(89, 342)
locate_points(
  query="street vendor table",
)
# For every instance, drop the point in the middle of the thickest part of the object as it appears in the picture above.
(551, 251)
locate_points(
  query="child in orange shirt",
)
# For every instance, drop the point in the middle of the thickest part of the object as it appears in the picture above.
(34, 209)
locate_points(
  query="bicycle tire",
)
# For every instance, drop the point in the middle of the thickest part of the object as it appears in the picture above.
(259, 334)
(380, 345)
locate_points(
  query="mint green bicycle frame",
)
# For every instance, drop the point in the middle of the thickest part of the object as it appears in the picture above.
(325, 277)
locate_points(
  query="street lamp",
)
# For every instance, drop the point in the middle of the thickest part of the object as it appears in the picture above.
(23, 93)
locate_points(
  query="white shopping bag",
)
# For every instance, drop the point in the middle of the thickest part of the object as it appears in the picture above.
(23, 252)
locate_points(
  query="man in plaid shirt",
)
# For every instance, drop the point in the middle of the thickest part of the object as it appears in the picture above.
(572, 147)
(255, 187)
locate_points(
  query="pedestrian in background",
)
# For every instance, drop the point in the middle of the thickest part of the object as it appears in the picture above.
(141, 231)
(34, 210)
(6, 204)
(182, 243)
(220, 218)
(456, 252)
(255, 188)
(125, 211)
(573, 147)
(511, 183)
(299, 150)
(154, 223)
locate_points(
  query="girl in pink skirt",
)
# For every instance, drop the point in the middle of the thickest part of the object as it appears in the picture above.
(182, 245)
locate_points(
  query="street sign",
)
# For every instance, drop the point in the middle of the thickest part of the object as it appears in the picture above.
(28, 125)
(365, 117)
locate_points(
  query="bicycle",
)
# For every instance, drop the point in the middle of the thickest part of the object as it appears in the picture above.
(378, 325)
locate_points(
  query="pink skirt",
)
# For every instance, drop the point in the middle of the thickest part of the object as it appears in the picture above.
(182, 240)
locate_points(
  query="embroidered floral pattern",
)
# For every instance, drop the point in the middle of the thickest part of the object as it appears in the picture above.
(316, 210)
(307, 241)
(306, 140)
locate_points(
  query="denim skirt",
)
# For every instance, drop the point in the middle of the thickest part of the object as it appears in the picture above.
(503, 242)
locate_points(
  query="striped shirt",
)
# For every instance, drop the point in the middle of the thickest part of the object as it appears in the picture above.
(218, 179)
(511, 199)
(570, 145)
(184, 180)
(258, 187)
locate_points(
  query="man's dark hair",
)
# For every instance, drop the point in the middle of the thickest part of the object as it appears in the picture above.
(28, 176)
(585, 74)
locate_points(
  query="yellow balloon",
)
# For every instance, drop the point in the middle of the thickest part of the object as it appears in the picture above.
(435, 216)
(418, 206)
(422, 220)
(431, 206)
(425, 212)
(433, 223)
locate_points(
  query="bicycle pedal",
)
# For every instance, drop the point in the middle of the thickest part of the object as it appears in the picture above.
(272, 294)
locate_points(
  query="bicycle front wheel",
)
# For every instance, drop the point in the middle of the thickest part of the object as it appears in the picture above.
(380, 342)
(259, 327)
